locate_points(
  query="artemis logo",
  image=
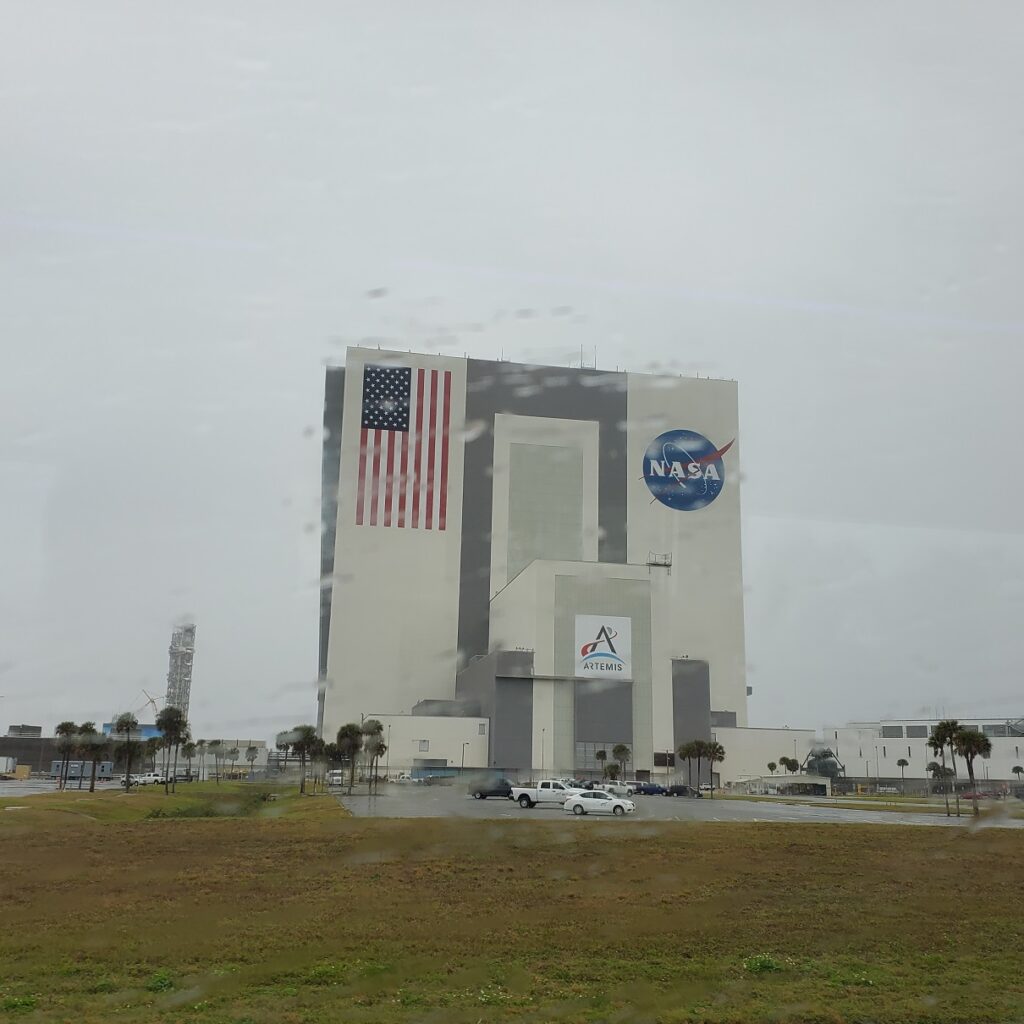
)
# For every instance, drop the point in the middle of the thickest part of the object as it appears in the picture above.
(684, 470)
(600, 653)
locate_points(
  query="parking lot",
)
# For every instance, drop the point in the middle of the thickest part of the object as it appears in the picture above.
(418, 801)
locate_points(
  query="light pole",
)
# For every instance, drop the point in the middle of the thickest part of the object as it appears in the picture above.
(463, 767)
(387, 762)
(542, 738)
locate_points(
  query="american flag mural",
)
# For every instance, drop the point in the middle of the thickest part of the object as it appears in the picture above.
(404, 448)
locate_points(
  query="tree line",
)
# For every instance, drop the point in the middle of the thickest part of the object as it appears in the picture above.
(84, 742)
(352, 740)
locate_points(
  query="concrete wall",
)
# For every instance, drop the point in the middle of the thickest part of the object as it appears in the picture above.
(444, 736)
(699, 604)
(395, 599)
(748, 751)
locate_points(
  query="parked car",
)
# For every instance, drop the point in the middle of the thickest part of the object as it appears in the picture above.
(143, 779)
(677, 790)
(705, 787)
(599, 801)
(616, 788)
(490, 785)
(649, 788)
(548, 791)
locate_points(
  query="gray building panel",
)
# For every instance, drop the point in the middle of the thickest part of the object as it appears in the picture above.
(500, 687)
(691, 701)
(330, 469)
(496, 387)
(512, 725)
(604, 711)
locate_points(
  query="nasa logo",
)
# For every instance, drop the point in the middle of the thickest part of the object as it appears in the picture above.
(684, 470)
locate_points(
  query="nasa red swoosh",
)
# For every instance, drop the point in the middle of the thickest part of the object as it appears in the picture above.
(706, 460)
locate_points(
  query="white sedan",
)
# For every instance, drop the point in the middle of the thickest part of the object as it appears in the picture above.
(597, 801)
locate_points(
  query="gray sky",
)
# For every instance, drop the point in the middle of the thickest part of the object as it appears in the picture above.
(820, 200)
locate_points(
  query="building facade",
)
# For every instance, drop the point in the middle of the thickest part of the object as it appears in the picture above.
(873, 750)
(554, 551)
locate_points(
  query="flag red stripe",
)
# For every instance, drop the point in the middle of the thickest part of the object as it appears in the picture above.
(403, 477)
(390, 479)
(419, 447)
(445, 416)
(375, 493)
(362, 477)
(431, 445)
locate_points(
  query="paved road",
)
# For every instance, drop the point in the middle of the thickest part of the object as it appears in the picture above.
(413, 801)
(29, 787)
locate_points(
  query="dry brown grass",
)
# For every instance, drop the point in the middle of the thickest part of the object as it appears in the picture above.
(311, 917)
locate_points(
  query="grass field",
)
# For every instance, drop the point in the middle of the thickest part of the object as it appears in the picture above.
(288, 911)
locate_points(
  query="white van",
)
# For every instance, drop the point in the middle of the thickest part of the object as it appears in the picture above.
(336, 777)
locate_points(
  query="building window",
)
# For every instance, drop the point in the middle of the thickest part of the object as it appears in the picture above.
(917, 732)
(883, 752)
(482, 729)
(424, 746)
(995, 730)
(908, 753)
(892, 732)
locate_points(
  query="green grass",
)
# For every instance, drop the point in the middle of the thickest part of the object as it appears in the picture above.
(192, 800)
(308, 916)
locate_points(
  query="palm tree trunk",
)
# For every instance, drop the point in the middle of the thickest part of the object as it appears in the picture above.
(974, 785)
(945, 791)
(174, 785)
(92, 780)
(81, 771)
(302, 772)
(698, 773)
(956, 794)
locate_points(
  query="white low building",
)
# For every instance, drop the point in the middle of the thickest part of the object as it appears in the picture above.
(873, 750)
(748, 752)
(425, 744)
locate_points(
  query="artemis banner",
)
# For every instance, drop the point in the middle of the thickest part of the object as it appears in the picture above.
(604, 647)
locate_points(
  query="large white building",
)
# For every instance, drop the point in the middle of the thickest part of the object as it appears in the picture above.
(550, 554)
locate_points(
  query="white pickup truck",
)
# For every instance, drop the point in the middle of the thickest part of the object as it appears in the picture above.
(548, 791)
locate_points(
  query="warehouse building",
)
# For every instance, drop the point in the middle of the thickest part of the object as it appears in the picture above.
(550, 554)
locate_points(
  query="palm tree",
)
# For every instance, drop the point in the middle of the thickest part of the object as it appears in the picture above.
(938, 746)
(970, 743)
(215, 747)
(302, 740)
(902, 764)
(124, 725)
(232, 756)
(621, 753)
(251, 753)
(772, 767)
(90, 742)
(685, 753)
(715, 753)
(601, 756)
(946, 732)
(700, 749)
(188, 751)
(65, 732)
(378, 748)
(350, 742)
(372, 731)
(173, 729)
(201, 754)
(1018, 771)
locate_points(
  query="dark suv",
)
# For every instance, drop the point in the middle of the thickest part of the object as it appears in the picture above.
(683, 791)
(494, 785)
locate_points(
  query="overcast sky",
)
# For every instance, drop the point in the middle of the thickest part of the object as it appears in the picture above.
(820, 200)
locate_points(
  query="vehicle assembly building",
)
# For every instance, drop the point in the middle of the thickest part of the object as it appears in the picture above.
(550, 556)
